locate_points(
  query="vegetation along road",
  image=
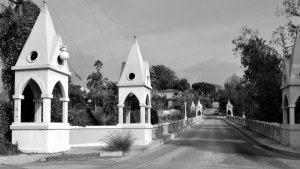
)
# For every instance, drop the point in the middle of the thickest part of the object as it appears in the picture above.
(212, 144)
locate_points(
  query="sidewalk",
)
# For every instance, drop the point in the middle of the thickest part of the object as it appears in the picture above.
(266, 142)
(73, 153)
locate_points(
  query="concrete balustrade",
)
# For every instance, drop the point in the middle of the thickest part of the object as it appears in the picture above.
(270, 130)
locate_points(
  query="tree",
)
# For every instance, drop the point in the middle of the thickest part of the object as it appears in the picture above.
(162, 77)
(204, 88)
(284, 36)
(262, 64)
(181, 84)
(103, 92)
(76, 95)
(95, 80)
(14, 31)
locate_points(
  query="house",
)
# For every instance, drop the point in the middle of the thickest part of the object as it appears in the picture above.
(170, 94)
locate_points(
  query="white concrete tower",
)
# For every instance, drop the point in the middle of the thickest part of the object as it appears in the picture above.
(290, 97)
(135, 92)
(199, 108)
(229, 109)
(193, 108)
(41, 72)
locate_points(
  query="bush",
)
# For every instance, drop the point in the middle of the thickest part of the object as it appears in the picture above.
(154, 116)
(6, 117)
(120, 140)
(7, 148)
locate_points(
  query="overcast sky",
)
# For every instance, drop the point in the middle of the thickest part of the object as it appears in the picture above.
(192, 37)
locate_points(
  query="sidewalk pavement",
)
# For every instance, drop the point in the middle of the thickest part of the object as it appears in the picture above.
(265, 142)
(73, 153)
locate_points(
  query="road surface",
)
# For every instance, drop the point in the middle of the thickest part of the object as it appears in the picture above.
(213, 144)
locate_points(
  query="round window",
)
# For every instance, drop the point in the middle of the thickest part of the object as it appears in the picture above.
(60, 61)
(32, 56)
(131, 76)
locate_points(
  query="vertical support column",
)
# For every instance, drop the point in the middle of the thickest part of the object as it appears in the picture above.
(142, 113)
(231, 112)
(149, 114)
(17, 108)
(37, 110)
(64, 109)
(284, 115)
(47, 107)
(120, 114)
(292, 114)
(185, 115)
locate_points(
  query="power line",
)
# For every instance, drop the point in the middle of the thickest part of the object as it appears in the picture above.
(105, 40)
(112, 20)
(72, 41)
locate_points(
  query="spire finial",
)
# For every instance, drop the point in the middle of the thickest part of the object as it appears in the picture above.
(45, 2)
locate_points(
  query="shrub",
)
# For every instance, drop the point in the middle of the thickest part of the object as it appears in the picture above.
(119, 140)
(7, 148)
(154, 116)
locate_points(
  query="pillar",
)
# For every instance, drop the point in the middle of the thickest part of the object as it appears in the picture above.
(292, 114)
(47, 107)
(38, 110)
(284, 115)
(64, 109)
(17, 108)
(149, 114)
(142, 113)
(120, 106)
(185, 116)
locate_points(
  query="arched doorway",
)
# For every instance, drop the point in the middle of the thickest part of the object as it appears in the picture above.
(228, 113)
(297, 111)
(31, 104)
(132, 109)
(56, 104)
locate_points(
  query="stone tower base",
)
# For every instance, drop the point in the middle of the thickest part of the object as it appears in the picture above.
(40, 137)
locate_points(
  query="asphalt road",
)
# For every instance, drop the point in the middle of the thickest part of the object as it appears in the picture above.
(212, 144)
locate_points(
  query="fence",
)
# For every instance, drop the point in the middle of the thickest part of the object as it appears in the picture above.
(270, 130)
(174, 127)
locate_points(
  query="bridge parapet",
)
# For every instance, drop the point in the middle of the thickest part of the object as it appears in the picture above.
(270, 130)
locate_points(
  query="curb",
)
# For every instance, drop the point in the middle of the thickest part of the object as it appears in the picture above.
(238, 127)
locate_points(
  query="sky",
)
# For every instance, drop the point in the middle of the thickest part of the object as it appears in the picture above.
(192, 37)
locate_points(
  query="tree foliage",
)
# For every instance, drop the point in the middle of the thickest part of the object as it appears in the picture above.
(284, 35)
(163, 78)
(203, 88)
(102, 92)
(262, 73)
(14, 31)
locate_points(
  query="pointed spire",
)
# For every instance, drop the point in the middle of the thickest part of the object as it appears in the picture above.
(135, 66)
(43, 42)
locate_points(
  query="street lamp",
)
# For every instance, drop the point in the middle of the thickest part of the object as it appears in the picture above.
(185, 117)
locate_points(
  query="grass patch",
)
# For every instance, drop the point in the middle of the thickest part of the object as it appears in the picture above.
(119, 140)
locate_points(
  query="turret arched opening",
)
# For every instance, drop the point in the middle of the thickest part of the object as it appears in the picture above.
(30, 111)
(297, 111)
(56, 104)
(132, 109)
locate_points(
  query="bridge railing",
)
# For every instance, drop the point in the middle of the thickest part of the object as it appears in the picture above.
(161, 130)
(270, 130)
